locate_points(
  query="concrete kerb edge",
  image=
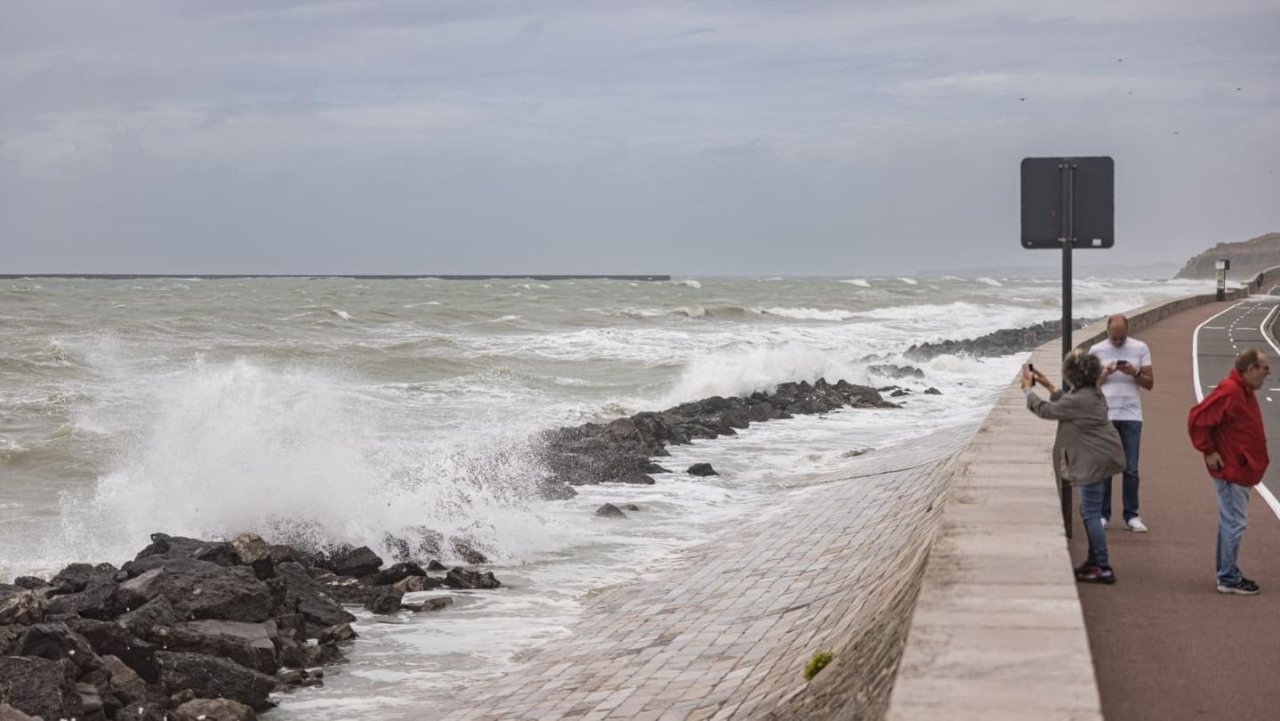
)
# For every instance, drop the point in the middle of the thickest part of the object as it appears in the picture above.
(954, 655)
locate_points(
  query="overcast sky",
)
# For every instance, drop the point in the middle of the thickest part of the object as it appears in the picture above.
(717, 138)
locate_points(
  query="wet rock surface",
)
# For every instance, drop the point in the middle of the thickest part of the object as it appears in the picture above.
(1000, 343)
(202, 629)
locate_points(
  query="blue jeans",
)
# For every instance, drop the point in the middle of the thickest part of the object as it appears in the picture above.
(1233, 508)
(1091, 500)
(1130, 437)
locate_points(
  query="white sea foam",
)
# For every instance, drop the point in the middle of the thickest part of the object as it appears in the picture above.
(741, 371)
(910, 281)
(340, 313)
(991, 282)
(860, 282)
(807, 313)
(689, 283)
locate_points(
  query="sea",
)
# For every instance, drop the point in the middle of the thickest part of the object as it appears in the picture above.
(336, 410)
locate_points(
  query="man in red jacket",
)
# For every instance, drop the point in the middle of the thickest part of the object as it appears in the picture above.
(1227, 428)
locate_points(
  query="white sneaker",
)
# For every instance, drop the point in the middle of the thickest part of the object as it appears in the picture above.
(1105, 521)
(1136, 525)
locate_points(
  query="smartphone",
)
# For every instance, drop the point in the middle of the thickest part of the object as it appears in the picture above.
(1033, 374)
(1121, 363)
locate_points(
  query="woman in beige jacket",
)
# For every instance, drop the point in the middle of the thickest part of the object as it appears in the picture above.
(1086, 450)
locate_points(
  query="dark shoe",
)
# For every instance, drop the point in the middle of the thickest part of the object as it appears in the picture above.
(1093, 573)
(1244, 587)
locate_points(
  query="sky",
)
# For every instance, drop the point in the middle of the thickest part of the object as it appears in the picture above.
(755, 137)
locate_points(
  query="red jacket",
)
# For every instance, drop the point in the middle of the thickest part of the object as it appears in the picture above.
(1229, 421)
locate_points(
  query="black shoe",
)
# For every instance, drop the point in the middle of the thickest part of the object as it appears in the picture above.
(1244, 587)
(1093, 573)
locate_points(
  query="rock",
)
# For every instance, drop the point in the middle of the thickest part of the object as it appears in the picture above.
(463, 578)
(143, 712)
(8, 637)
(413, 584)
(338, 634)
(427, 604)
(629, 507)
(249, 547)
(93, 601)
(112, 639)
(90, 701)
(468, 553)
(197, 589)
(23, 607)
(56, 641)
(931, 391)
(555, 489)
(211, 677)
(30, 583)
(214, 709)
(701, 469)
(41, 687)
(435, 566)
(251, 645)
(636, 478)
(385, 600)
(220, 553)
(125, 683)
(9, 713)
(352, 562)
(156, 612)
(889, 370)
(651, 467)
(609, 510)
(76, 577)
(1002, 342)
(304, 595)
(900, 392)
(388, 576)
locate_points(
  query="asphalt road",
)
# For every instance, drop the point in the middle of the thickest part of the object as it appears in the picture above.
(1166, 645)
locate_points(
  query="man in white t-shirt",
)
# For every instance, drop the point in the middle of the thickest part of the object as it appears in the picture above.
(1126, 369)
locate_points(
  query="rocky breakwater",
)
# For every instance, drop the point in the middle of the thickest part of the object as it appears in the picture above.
(1000, 343)
(621, 451)
(193, 629)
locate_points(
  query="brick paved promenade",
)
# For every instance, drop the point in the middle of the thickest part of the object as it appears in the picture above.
(725, 631)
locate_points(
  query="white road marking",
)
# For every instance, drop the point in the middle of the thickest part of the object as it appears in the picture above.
(1195, 374)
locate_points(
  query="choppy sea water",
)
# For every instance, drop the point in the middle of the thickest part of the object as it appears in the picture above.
(339, 409)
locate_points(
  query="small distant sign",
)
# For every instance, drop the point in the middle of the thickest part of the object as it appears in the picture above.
(1081, 190)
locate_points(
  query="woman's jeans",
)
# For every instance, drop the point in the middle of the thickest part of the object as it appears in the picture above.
(1233, 507)
(1091, 499)
(1130, 438)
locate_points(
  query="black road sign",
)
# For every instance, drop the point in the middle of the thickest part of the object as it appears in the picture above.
(1074, 196)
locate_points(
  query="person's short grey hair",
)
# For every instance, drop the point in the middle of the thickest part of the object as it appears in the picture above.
(1081, 369)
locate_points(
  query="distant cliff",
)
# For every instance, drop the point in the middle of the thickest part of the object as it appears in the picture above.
(1246, 258)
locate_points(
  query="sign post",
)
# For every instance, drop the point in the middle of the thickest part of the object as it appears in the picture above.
(1068, 203)
(1221, 267)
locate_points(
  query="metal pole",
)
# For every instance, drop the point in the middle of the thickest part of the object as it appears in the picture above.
(1068, 230)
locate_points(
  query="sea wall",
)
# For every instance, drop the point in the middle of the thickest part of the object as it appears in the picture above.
(997, 630)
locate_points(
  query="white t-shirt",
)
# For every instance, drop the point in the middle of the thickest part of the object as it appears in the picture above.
(1121, 389)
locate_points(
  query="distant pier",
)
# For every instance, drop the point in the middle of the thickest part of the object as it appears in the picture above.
(226, 276)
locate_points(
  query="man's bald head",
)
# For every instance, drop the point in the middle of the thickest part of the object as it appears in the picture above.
(1117, 329)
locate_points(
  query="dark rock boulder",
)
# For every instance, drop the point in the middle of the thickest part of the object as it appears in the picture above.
(77, 576)
(390, 575)
(9, 713)
(213, 709)
(413, 584)
(92, 601)
(249, 548)
(931, 391)
(21, 606)
(41, 687)
(144, 712)
(464, 578)
(55, 641)
(352, 562)
(637, 478)
(427, 604)
(701, 469)
(888, 370)
(217, 552)
(338, 634)
(113, 639)
(156, 612)
(198, 589)
(304, 595)
(609, 510)
(468, 553)
(252, 645)
(384, 600)
(30, 583)
(629, 507)
(211, 677)
(125, 683)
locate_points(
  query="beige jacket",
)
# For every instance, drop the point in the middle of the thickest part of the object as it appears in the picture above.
(1087, 448)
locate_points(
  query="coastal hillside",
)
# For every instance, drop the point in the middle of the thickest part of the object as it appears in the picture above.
(1247, 258)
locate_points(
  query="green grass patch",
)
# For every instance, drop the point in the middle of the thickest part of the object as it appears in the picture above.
(817, 663)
